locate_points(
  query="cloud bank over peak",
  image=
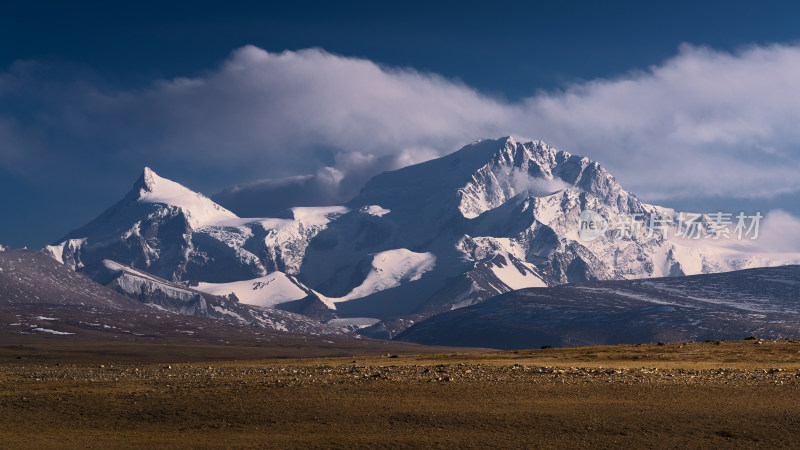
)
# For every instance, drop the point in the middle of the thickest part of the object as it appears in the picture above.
(703, 123)
(272, 105)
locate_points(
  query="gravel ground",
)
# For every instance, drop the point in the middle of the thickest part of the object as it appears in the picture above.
(743, 393)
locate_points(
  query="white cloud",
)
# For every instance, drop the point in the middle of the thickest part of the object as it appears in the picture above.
(281, 108)
(538, 187)
(779, 233)
(703, 123)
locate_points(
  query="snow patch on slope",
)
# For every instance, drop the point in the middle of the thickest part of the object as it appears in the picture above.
(57, 251)
(517, 274)
(317, 216)
(374, 210)
(134, 282)
(267, 291)
(49, 331)
(353, 323)
(390, 269)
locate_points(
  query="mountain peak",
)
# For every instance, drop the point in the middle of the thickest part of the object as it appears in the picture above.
(510, 151)
(148, 178)
(152, 188)
(486, 173)
(148, 181)
(508, 167)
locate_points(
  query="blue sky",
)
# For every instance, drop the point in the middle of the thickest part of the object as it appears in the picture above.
(205, 93)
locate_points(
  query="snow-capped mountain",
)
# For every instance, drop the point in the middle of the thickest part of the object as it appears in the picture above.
(500, 215)
(731, 305)
(172, 232)
(494, 216)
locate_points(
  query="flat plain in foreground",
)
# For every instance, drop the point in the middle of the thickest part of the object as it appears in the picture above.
(729, 393)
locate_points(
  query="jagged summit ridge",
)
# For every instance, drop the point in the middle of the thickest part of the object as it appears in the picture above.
(487, 173)
(535, 169)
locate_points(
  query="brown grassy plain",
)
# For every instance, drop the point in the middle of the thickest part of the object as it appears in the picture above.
(730, 393)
